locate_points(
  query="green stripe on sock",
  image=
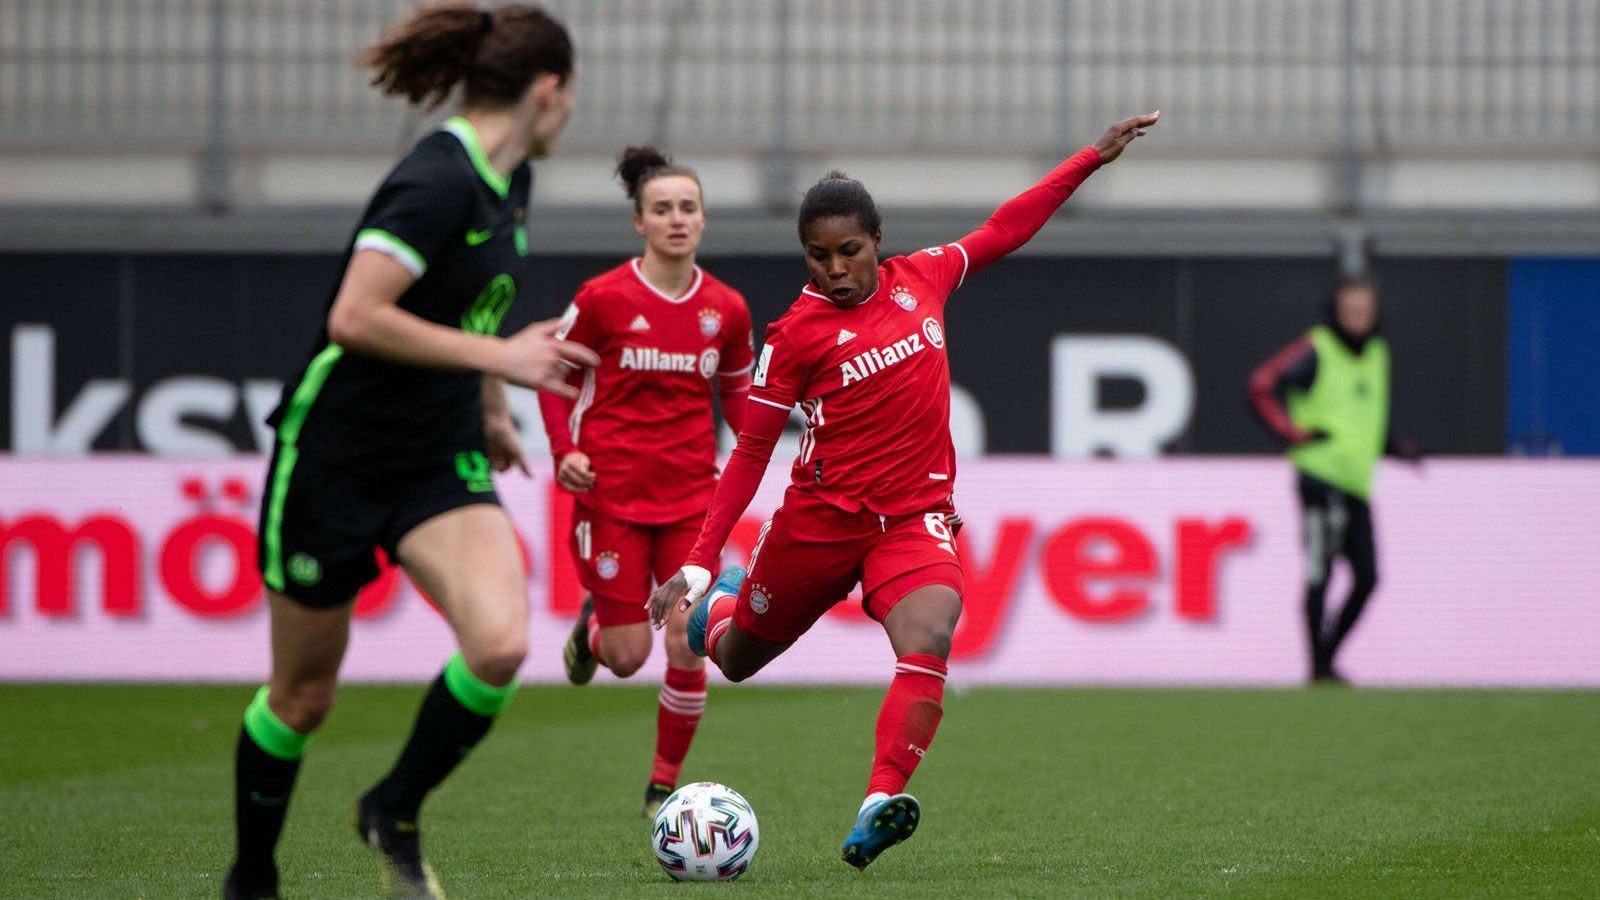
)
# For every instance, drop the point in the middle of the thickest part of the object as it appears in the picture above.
(473, 692)
(269, 732)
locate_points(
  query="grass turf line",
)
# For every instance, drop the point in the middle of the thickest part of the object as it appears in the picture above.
(125, 791)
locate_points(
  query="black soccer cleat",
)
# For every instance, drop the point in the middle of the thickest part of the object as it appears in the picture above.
(1328, 675)
(579, 660)
(236, 888)
(399, 847)
(655, 794)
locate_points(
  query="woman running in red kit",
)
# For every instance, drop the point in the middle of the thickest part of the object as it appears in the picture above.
(638, 448)
(862, 353)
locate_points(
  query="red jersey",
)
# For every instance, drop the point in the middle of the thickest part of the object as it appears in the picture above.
(873, 382)
(872, 379)
(644, 414)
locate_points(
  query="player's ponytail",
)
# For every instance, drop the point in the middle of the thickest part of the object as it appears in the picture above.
(495, 54)
(638, 166)
(838, 195)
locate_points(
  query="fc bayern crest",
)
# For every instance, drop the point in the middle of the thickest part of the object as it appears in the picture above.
(710, 322)
(607, 565)
(759, 601)
(903, 298)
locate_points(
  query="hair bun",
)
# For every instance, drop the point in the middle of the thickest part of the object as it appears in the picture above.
(635, 163)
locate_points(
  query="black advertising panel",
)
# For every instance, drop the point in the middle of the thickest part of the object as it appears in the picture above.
(177, 353)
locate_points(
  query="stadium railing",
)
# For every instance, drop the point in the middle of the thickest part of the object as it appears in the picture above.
(776, 77)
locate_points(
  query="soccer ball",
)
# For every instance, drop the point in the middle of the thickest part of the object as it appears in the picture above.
(705, 832)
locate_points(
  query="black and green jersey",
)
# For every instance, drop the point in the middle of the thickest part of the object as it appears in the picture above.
(458, 227)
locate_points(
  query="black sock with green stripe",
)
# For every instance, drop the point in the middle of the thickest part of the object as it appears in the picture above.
(455, 715)
(265, 766)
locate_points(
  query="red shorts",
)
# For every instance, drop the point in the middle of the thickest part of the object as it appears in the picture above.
(812, 554)
(616, 560)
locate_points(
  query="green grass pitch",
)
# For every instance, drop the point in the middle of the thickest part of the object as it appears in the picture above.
(125, 791)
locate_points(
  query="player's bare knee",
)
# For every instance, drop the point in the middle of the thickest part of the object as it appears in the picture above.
(677, 647)
(304, 706)
(498, 662)
(627, 659)
(924, 629)
(934, 639)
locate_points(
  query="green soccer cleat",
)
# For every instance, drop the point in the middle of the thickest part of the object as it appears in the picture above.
(580, 662)
(655, 794)
(399, 847)
(881, 826)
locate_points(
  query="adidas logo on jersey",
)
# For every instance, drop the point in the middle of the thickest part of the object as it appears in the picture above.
(877, 359)
(639, 323)
(845, 334)
(650, 359)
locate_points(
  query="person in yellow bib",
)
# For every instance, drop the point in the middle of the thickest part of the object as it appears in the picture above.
(1327, 394)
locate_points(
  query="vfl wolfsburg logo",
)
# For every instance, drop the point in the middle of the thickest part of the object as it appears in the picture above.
(473, 468)
(304, 569)
(486, 311)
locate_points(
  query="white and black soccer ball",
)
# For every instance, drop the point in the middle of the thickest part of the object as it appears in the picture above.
(705, 832)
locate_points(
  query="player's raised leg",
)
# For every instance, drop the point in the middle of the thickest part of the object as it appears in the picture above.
(743, 623)
(467, 561)
(307, 646)
(920, 627)
(736, 652)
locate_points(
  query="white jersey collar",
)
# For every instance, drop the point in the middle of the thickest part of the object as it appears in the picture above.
(694, 286)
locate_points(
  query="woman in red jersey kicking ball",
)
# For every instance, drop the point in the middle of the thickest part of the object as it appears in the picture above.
(862, 353)
(638, 449)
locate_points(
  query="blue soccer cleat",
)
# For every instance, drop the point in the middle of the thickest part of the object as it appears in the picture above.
(728, 582)
(881, 826)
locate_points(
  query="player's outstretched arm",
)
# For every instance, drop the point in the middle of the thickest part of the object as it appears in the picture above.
(763, 425)
(1020, 218)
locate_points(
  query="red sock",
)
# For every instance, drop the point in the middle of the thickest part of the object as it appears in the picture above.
(907, 721)
(683, 699)
(718, 620)
(594, 641)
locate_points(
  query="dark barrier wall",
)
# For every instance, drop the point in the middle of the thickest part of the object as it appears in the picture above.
(101, 351)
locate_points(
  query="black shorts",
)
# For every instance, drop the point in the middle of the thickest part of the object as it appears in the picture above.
(321, 520)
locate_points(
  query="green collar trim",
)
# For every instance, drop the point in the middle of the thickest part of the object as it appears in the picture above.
(468, 136)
